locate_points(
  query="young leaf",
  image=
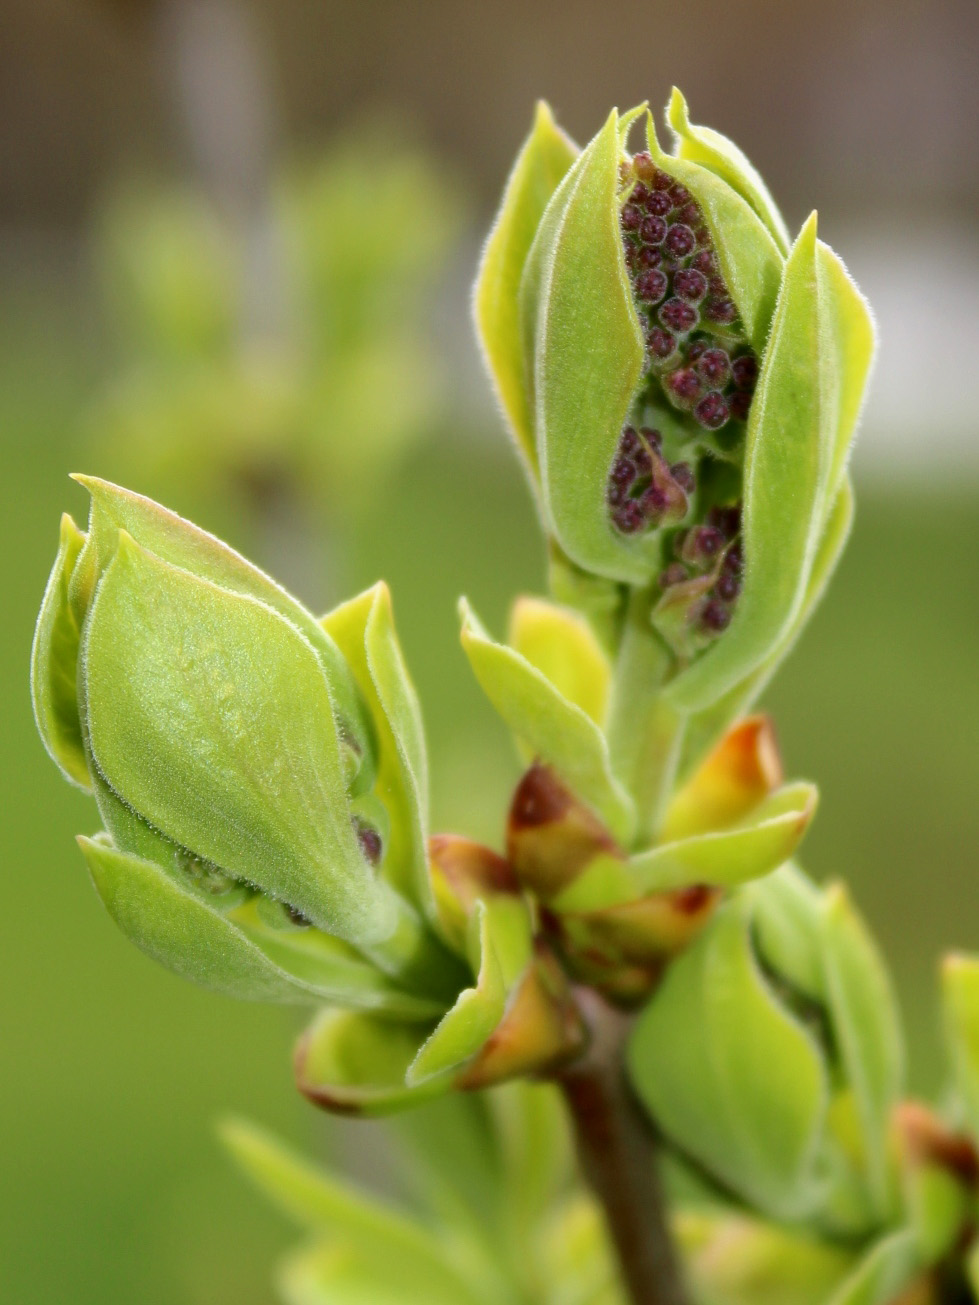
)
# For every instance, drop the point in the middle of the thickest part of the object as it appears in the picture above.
(546, 156)
(364, 630)
(54, 664)
(712, 150)
(868, 1033)
(960, 997)
(728, 1073)
(563, 647)
(210, 714)
(887, 1269)
(582, 332)
(550, 727)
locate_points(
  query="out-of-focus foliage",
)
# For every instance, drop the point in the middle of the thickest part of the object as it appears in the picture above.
(292, 356)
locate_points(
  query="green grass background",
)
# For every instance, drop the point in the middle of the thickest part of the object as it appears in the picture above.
(112, 1187)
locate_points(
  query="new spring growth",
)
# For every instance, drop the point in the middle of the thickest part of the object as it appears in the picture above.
(683, 383)
(261, 777)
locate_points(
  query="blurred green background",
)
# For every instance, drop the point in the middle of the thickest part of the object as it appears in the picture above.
(112, 1187)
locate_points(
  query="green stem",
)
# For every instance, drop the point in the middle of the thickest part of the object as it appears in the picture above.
(618, 1150)
(414, 956)
(645, 732)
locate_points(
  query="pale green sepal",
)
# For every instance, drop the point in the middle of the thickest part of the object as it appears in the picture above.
(563, 647)
(583, 338)
(364, 631)
(960, 1001)
(546, 156)
(396, 1247)
(185, 545)
(867, 1032)
(209, 713)
(749, 258)
(729, 1075)
(54, 664)
(883, 1274)
(355, 1063)
(787, 920)
(787, 463)
(713, 150)
(180, 930)
(463, 1030)
(704, 728)
(550, 727)
(724, 858)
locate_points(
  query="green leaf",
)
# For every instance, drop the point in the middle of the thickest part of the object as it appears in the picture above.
(210, 715)
(867, 1032)
(734, 1259)
(729, 1075)
(786, 917)
(185, 545)
(210, 930)
(885, 1271)
(364, 631)
(546, 156)
(972, 1267)
(389, 1247)
(791, 433)
(355, 1063)
(939, 1207)
(563, 647)
(724, 858)
(54, 664)
(501, 933)
(706, 726)
(550, 727)
(585, 346)
(749, 258)
(710, 148)
(960, 1000)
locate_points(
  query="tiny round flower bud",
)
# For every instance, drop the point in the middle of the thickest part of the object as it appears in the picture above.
(629, 441)
(721, 311)
(660, 181)
(727, 520)
(647, 256)
(675, 574)
(659, 203)
(623, 472)
(677, 315)
(651, 286)
(654, 503)
(662, 344)
(705, 261)
(680, 240)
(702, 543)
(682, 473)
(715, 367)
(652, 230)
(639, 196)
(652, 437)
(690, 214)
(629, 517)
(712, 411)
(644, 166)
(684, 385)
(642, 460)
(369, 840)
(690, 285)
(695, 348)
(745, 371)
(715, 616)
(740, 404)
(679, 193)
(630, 217)
(728, 586)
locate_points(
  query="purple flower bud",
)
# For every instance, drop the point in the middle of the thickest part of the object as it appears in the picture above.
(652, 230)
(651, 286)
(677, 315)
(745, 371)
(690, 285)
(675, 574)
(652, 437)
(740, 404)
(630, 217)
(684, 385)
(715, 616)
(728, 586)
(705, 261)
(682, 473)
(712, 411)
(680, 240)
(646, 256)
(662, 344)
(629, 517)
(659, 203)
(721, 310)
(714, 366)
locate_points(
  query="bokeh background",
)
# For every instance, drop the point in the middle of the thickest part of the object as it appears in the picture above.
(235, 248)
